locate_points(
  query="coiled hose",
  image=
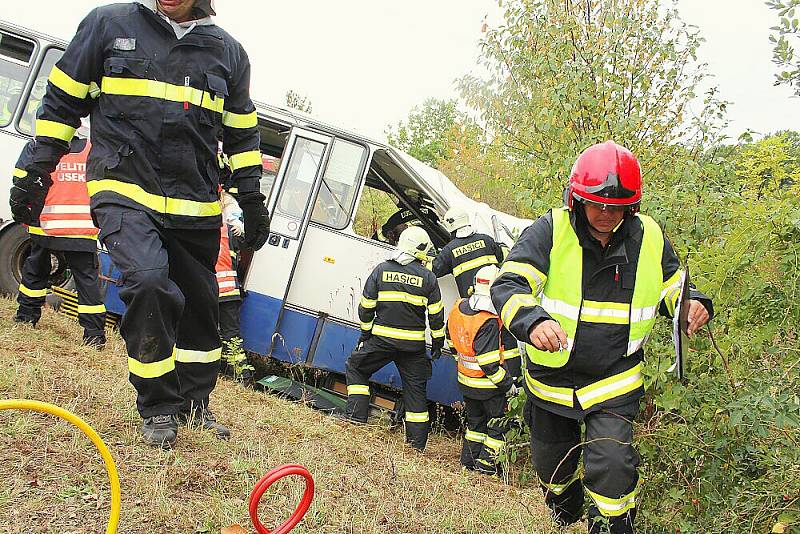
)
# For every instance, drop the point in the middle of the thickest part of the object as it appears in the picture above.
(111, 468)
(269, 479)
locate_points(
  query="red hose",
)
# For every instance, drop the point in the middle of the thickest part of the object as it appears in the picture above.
(269, 479)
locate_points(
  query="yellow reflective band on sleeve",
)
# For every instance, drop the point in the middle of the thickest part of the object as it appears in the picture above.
(488, 357)
(495, 444)
(558, 489)
(19, 173)
(534, 276)
(435, 308)
(161, 90)
(153, 369)
(513, 305)
(477, 383)
(366, 326)
(399, 333)
(94, 90)
(474, 263)
(557, 395)
(673, 281)
(35, 230)
(498, 376)
(54, 129)
(85, 308)
(70, 86)
(671, 299)
(417, 417)
(368, 303)
(511, 353)
(402, 296)
(438, 333)
(240, 120)
(477, 437)
(166, 205)
(33, 293)
(611, 387)
(198, 356)
(357, 389)
(613, 507)
(233, 190)
(245, 159)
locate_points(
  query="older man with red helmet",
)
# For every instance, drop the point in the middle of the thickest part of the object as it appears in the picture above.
(582, 288)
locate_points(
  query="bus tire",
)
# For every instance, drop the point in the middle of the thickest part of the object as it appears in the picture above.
(14, 247)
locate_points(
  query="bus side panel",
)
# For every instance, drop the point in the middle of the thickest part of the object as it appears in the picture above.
(258, 316)
(296, 332)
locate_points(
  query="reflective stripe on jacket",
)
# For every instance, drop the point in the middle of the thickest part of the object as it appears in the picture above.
(463, 256)
(159, 107)
(227, 279)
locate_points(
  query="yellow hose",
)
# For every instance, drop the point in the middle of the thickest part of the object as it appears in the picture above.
(111, 468)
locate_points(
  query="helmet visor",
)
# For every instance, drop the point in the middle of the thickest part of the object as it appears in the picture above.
(611, 187)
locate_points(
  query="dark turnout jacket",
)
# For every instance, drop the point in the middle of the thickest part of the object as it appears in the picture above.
(463, 256)
(608, 276)
(394, 305)
(159, 107)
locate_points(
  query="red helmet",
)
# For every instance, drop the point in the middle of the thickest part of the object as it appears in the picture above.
(606, 173)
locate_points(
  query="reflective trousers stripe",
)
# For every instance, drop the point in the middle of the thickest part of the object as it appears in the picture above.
(152, 369)
(611, 507)
(85, 308)
(477, 437)
(33, 293)
(495, 444)
(417, 417)
(357, 389)
(157, 203)
(198, 356)
(558, 489)
(398, 333)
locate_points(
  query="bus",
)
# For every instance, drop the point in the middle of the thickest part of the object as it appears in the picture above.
(329, 192)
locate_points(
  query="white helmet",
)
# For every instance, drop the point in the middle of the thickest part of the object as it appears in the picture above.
(415, 241)
(455, 218)
(484, 279)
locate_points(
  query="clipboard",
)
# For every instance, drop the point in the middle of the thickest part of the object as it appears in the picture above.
(680, 327)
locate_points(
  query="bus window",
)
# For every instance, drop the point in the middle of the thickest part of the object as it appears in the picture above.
(373, 211)
(28, 118)
(339, 184)
(15, 59)
(303, 166)
(269, 170)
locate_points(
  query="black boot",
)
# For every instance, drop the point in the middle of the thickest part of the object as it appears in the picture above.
(160, 431)
(25, 319)
(204, 419)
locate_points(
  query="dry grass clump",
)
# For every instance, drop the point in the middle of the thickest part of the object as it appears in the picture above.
(367, 480)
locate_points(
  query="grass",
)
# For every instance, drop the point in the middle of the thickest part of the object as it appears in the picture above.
(52, 479)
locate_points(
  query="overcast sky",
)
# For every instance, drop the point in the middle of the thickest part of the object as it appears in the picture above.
(365, 63)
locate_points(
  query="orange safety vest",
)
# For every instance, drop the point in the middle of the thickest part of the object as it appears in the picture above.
(226, 275)
(463, 328)
(66, 207)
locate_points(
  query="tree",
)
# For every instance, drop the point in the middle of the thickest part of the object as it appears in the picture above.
(564, 74)
(784, 54)
(427, 131)
(298, 102)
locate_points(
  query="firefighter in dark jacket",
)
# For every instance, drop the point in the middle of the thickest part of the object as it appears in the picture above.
(466, 253)
(475, 330)
(65, 226)
(163, 85)
(583, 287)
(396, 297)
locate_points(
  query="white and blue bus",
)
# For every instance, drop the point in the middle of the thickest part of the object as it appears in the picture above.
(329, 192)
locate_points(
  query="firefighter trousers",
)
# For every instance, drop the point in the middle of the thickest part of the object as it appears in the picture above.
(485, 437)
(170, 292)
(415, 370)
(84, 269)
(609, 466)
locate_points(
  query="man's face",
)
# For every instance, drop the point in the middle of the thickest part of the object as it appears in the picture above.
(177, 10)
(604, 218)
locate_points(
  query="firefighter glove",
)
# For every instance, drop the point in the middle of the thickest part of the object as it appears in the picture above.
(436, 348)
(256, 219)
(365, 335)
(27, 197)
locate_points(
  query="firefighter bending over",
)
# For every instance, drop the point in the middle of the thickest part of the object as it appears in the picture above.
(163, 85)
(66, 226)
(396, 297)
(583, 286)
(479, 338)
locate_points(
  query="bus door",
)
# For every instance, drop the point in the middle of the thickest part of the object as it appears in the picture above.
(273, 267)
